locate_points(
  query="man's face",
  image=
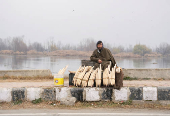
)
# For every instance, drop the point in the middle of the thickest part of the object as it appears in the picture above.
(99, 46)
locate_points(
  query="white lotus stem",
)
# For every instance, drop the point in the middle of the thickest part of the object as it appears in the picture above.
(63, 70)
(106, 77)
(98, 77)
(112, 79)
(80, 77)
(92, 78)
(76, 75)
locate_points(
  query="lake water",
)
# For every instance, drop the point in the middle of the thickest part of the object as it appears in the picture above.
(11, 62)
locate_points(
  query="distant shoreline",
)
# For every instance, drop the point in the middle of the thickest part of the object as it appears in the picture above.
(74, 53)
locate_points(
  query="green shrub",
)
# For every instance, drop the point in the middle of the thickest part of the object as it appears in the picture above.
(141, 49)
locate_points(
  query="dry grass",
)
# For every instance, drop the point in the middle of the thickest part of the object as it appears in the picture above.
(34, 52)
(76, 53)
(6, 52)
(70, 53)
(79, 105)
(127, 55)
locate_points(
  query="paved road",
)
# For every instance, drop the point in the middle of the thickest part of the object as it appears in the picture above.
(85, 112)
(47, 83)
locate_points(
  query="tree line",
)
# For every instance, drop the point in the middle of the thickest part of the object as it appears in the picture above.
(19, 44)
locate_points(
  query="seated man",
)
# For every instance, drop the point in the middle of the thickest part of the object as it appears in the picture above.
(102, 56)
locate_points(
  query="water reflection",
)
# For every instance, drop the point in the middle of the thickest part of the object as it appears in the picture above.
(9, 62)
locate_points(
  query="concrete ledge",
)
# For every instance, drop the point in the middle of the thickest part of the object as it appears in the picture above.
(25, 73)
(49, 94)
(34, 93)
(62, 92)
(147, 73)
(161, 94)
(121, 94)
(150, 93)
(107, 94)
(92, 94)
(18, 94)
(136, 93)
(77, 93)
(5, 94)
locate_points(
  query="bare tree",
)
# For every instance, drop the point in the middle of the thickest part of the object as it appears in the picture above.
(18, 45)
(36, 46)
(164, 49)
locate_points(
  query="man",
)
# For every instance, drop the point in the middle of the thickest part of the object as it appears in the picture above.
(102, 56)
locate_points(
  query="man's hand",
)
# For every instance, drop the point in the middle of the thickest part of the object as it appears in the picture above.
(99, 61)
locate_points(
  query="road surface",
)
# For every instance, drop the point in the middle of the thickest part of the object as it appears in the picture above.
(85, 112)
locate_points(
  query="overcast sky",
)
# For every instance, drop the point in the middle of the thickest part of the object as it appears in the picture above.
(118, 22)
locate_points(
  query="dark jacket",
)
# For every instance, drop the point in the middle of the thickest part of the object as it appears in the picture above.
(104, 55)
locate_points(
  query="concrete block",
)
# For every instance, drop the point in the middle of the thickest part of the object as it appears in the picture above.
(121, 94)
(49, 94)
(69, 101)
(107, 94)
(62, 92)
(77, 93)
(163, 93)
(92, 94)
(34, 93)
(5, 94)
(147, 73)
(18, 94)
(136, 93)
(149, 93)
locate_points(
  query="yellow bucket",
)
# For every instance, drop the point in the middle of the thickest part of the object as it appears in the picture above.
(58, 80)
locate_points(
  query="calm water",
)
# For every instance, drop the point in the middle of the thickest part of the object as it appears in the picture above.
(9, 62)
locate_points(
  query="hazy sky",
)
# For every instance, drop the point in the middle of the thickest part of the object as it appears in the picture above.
(118, 22)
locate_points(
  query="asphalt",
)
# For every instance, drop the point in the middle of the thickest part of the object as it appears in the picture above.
(85, 112)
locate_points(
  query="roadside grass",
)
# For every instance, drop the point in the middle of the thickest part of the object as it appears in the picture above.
(17, 102)
(36, 101)
(130, 78)
(146, 78)
(128, 102)
(135, 78)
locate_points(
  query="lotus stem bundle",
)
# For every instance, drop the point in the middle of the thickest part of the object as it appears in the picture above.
(80, 76)
(76, 74)
(86, 77)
